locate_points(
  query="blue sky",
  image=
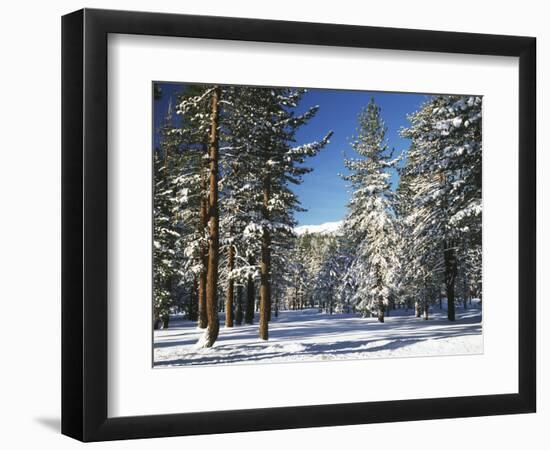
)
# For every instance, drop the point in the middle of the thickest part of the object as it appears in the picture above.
(323, 193)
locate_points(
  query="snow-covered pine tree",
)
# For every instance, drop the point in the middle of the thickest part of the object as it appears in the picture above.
(193, 128)
(348, 284)
(249, 131)
(445, 176)
(175, 220)
(201, 112)
(469, 279)
(308, 257)
(281, 279)
(213, 221)
(297, 281)
(327, 279)
(421, 268)
(165, 228)
(277, 164)
(370, 220)
(185, 173)
(318, 263)
(163, 247)
(240, 201)
(251, 277)
(403, 207)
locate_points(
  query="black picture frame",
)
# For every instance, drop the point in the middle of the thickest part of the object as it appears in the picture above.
(84, 224)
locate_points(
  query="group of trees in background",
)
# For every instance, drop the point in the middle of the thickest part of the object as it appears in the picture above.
(414, 245)
(223, 206)
(224, 209)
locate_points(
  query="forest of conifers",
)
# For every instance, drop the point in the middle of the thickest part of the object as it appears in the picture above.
(224, 238)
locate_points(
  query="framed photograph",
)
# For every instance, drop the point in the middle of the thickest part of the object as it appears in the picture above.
(273, 225)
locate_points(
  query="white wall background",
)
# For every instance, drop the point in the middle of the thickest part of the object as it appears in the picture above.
(30, 224)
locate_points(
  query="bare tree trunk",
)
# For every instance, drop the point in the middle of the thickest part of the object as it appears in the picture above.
(203, 319)
(450, 276)
(230, 283)
(156, 323)
(213, 224)
(249, 313)
(426, 310)
(417, 311)
(381, 310)
(273, 295)
(165, 320)
(239, 312)
(265, 264)
(193, 301)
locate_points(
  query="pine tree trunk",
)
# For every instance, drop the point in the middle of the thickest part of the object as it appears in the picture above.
(249, 313)
(230, 283)
(450, 276)
(239, 308)
(193, 301)
(203, 320)
(426, 310)
(381, 314)
(165, 312)
(265, 264)
(417, 311)
(156, 323)
(213, 224)
(273, 295)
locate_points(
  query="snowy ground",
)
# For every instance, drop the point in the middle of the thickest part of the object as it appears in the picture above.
(308, 335)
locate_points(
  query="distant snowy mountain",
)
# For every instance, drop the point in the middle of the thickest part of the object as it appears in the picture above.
(324, 228)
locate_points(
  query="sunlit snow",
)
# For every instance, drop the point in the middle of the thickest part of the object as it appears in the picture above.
(308, 335)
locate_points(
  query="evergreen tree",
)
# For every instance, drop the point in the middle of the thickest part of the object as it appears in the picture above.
(200, 112)
(444, 169)
(251, 163)
(277, 165)
(165, 227)
(370, 221)
(328, 277)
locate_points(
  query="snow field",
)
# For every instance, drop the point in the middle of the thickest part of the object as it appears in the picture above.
(308, 335)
